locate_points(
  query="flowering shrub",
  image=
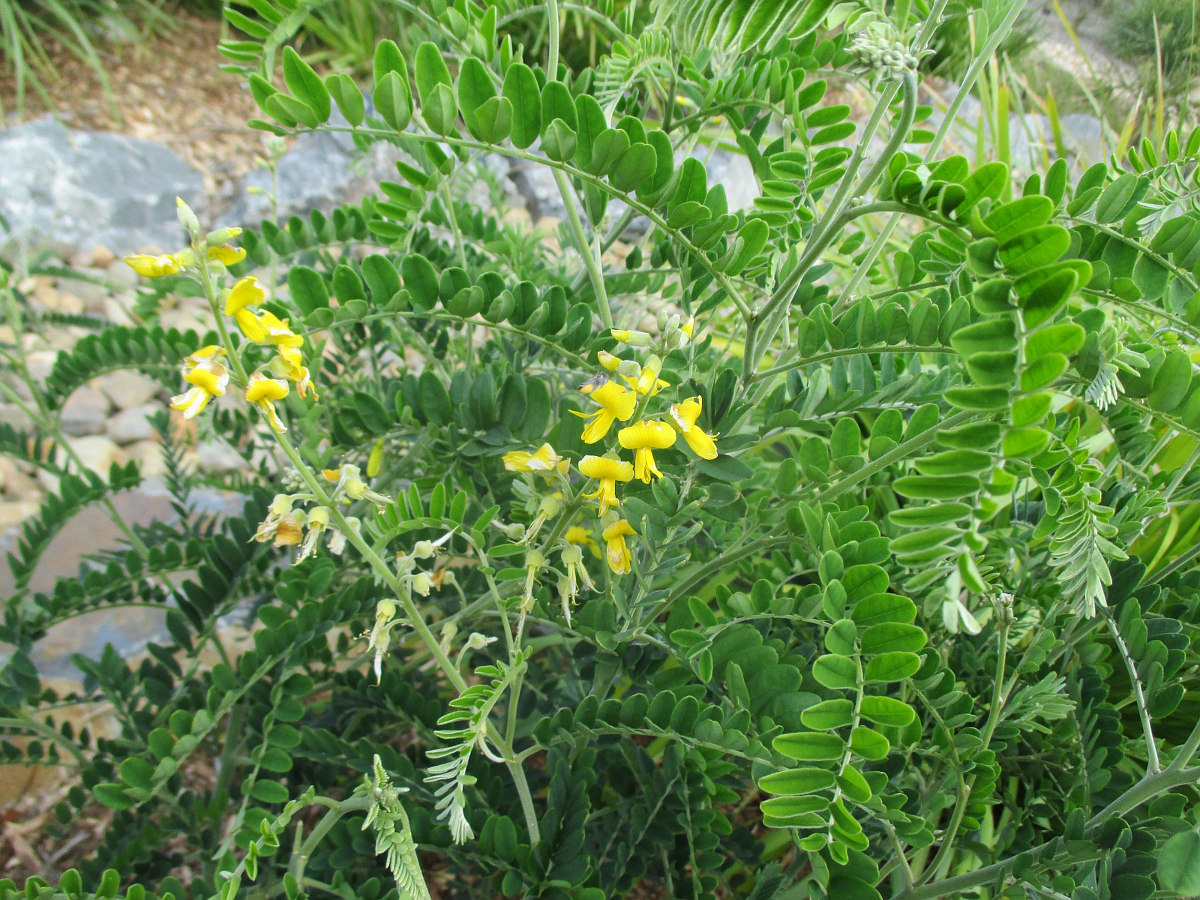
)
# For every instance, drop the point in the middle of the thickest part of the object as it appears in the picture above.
(842, 545)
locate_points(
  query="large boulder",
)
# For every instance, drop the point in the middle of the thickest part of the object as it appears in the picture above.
(88, 189)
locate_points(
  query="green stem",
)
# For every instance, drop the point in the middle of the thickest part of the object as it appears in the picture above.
(591, 259)
(1147, 789)
(337, 809)
(829, 227)
(1139, 697)
(1002, 30)
(26, 723)
(552, 29)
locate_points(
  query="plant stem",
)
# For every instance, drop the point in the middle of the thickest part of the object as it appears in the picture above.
(1139, 697)
(337, 809)
(590, 256)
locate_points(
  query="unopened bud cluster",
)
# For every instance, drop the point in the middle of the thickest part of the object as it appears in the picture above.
(881, 51)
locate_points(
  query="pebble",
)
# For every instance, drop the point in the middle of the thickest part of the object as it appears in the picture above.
(96, 453)
(133, 424)
(216, 456)
(128, 389)
(85, 411)
(14, 512)
(148, 455)
(120, 275)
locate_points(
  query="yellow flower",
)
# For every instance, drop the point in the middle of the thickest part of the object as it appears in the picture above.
(279, 333)
(264, 392)
(619, 558)
(685, 415)
(208, 377)
(577, 534)
(609, 471)
(246, 293)
(226, 254)
(646, 437)
(615, 402)
(647, 382)
(687, 326)
(157, 266)
(544, 460)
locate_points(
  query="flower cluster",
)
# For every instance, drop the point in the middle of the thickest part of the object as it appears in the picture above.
(622, 393)
(204, 370)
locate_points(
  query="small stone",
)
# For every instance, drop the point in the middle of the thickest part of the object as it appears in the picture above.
(15, 417)
(18, 485)
(96, 453)
(132, 424)
(217, 457)
(127, 389)
(102, 257)
(148, 456)
(67, 303)
(85, 411)
(116, 312)
(39, 363)
(15, 512)
(121, 275)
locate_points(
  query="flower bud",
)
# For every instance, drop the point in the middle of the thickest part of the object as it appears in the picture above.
(632, 338)
(422, 583)
(222, 236)
(423, 549)
(187, 218)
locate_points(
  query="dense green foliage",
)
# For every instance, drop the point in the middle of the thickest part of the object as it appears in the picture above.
(921, 628)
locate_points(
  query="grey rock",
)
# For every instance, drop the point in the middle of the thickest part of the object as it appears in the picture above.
(733, 172)
(128, 389)
(92, 189)
(1084, 135)
(132, 424)
(84, 412)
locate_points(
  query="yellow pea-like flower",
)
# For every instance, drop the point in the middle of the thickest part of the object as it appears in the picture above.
(208, 377)
(685, 415)
(616, 402)
(544, 460)
(608, 471)
(226, 254)
(157, 266)
(619, 558)
(645, 437)
(263, 392)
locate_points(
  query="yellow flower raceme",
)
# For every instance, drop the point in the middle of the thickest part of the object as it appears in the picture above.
(544, 461)
(645, 437)
(609, 472)
(264, 392)
(619, 558)
(685, 415)
(616, 402)
(157, 266)
(208, 377)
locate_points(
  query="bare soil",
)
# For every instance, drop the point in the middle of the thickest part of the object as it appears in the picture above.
(168, 89)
